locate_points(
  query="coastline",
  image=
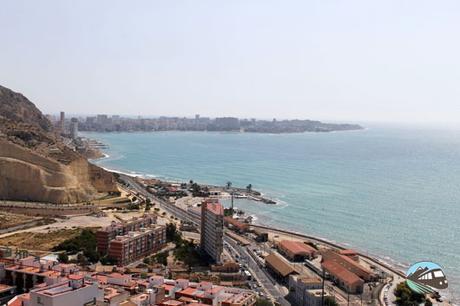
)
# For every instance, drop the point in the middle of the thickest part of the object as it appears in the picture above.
(383, 260)
(398, 263)
(336, 245)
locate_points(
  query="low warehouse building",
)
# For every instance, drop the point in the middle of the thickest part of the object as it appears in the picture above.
(279, 268)
(344, 278)
(296, 250)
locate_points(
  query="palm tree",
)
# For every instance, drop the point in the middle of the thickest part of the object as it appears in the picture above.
(229, 184)
(249, 188)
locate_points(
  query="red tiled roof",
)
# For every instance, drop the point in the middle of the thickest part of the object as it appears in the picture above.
(278, 264)
(204, 283)
(75, 277)
(297, 247)
(348, 252)
(168, 287)
(236, 223)
(117, 275)
(189, 291)
(215, 208)
(101, 278)
(355, 264)
(341, 273)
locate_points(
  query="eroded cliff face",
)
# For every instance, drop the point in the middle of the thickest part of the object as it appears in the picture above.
(34, 163)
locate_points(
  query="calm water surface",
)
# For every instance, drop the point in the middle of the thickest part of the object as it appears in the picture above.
(393, 192)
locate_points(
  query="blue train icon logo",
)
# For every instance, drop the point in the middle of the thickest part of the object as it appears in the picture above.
(426, 277)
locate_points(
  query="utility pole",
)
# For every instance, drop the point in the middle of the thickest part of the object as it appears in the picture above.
(322, 289)
(232, 201)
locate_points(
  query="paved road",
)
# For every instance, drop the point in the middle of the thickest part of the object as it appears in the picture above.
(259, 272)
(265, 280)
(171, 209)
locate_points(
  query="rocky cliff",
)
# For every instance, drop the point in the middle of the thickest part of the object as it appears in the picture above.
(35, 165)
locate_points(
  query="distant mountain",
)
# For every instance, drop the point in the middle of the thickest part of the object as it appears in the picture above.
(35, 165)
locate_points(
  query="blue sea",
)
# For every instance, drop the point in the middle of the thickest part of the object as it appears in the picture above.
(393, 192)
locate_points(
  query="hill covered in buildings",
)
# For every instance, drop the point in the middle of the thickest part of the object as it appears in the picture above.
(36, 165)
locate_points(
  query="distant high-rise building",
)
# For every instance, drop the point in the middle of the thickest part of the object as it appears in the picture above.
(102, 119)
(212, 229)
(227, 123)
(74, 128)
(62, 122)
(90, 120)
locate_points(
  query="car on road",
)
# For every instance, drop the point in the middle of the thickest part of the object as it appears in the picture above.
(248, 274)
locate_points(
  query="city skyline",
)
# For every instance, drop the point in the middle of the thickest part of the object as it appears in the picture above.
(362, 61)
(229, 153)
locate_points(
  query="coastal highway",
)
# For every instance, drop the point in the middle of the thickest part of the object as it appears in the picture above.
(258, 272)
(269, 285)
(262, 276)
(171, 209)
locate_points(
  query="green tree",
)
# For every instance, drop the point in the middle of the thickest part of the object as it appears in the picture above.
(148, 204)
(249, 188)
(82, 260)
(187, 252)
(172, 234)
(133, 206)
(146, 260)
(228, 212)
(161, 258)
(406, 297)
(108, 261)
(63, 258)
(329, 301)
(229, 185)
(85, 243)
(263, 302)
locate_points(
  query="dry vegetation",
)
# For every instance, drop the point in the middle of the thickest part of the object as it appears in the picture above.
(39, 241)
(9, 220)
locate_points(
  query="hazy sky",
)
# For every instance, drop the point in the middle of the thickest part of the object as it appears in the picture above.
(338, 60)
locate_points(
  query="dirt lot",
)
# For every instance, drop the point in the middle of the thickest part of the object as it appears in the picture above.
(8, 220)
(39, 241)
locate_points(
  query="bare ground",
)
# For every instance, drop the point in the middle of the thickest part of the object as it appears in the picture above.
(9, 220)
(39, 241)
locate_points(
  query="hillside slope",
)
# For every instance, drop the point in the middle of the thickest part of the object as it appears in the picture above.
(34, 163)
